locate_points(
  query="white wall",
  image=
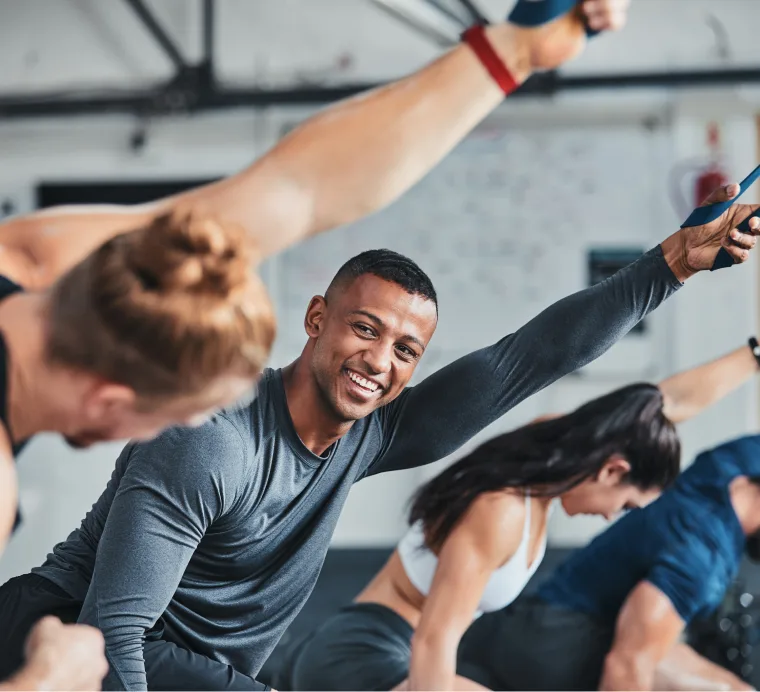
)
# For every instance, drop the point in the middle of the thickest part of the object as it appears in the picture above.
(97, 43)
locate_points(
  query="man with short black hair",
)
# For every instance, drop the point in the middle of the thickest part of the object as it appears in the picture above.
(388, 265)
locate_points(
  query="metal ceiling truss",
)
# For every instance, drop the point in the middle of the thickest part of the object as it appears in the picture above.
(193, 88)
(158, 33)
(434, 19)
(426, 18)
(476, 15)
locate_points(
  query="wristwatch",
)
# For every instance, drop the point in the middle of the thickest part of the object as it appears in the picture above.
(755, 348)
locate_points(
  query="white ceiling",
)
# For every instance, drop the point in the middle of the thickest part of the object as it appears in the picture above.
(53, 44)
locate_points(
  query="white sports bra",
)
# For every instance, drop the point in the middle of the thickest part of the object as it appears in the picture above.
(505, 584)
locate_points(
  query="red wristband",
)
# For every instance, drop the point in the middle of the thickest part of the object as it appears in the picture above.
(475, 37)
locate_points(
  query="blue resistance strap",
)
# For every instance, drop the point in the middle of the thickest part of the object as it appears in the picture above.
(703, 215)
(538, 12)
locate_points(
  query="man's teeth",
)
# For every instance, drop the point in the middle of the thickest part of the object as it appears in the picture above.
(367, 384)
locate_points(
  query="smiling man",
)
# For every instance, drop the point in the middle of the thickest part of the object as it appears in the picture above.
(375, 319)
(207, 542)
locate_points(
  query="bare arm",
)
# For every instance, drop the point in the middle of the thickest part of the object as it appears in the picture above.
(312, 180)
(686, 394)
(8, 498)
(684, 669)
(351, 160)
(35, 249)
(648, 627)
(689, 393)
(8, 489)
(488, 535)
(58, 657)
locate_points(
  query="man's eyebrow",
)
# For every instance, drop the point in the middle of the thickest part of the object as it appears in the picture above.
(369, 316)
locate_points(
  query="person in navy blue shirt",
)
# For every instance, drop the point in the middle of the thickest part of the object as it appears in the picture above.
(611, 616)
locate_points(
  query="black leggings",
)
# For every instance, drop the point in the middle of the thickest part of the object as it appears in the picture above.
(28, 598)
(534, 645)
(365, 646)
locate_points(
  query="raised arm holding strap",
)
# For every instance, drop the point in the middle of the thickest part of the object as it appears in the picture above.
(704, 215)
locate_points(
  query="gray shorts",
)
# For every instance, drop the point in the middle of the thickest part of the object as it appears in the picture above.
(365, 646)
(534, 645)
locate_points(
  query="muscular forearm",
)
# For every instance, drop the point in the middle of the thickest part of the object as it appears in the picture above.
(349, 161)
(689, 393)
(38, 248)
(360, 155)
(684, 669)
(627, 672)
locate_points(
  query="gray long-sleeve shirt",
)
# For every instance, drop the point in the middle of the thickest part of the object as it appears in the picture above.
(222, 530)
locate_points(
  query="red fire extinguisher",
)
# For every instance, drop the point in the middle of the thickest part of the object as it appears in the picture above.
(713, 175)
(706, 175)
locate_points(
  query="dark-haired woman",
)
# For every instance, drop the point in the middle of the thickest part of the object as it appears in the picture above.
(478, 530)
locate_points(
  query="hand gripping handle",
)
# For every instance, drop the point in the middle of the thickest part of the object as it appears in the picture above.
(704, 215)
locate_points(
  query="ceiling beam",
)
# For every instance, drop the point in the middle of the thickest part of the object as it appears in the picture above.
(185, 97)
(424, 18)
(477, 16)
(208, 17)
(159, 34)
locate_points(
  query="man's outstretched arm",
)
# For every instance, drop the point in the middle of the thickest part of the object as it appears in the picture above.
(349, 161)
(435, 418)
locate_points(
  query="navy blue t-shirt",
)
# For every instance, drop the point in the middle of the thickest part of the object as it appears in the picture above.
(688, 543)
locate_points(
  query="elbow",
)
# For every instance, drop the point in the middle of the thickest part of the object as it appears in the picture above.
(628, 671)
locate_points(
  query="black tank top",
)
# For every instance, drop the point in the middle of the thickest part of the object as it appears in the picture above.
(7, 288)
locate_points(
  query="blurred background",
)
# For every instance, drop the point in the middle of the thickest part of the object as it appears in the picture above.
(574, 176)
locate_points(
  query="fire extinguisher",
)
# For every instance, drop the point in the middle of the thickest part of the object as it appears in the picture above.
(707, 176)
(712, 176)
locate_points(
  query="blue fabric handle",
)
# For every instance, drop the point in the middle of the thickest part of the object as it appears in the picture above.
(703, 215)
(538, 12)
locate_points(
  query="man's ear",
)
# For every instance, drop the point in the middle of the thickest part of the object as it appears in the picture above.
(315, 315)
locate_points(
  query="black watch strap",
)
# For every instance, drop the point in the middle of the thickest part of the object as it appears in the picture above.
(755, 347)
